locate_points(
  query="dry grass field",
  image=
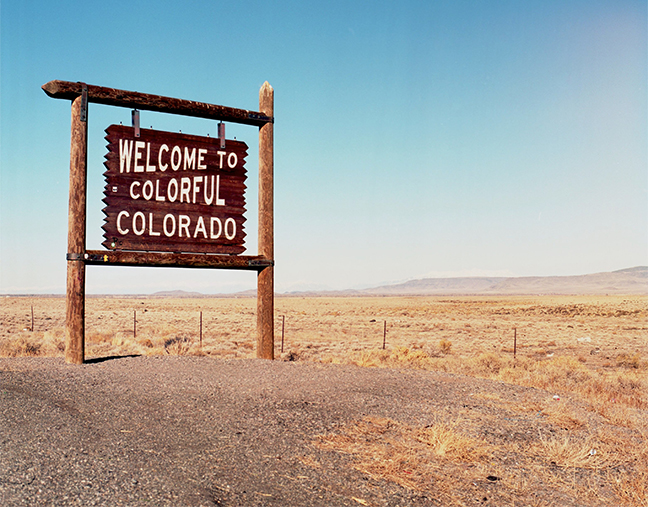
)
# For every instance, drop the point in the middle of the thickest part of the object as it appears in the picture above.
(590, 354)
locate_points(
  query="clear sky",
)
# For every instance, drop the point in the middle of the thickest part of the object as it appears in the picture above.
(412, 138)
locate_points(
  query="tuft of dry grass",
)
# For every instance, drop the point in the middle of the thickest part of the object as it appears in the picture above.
(629, 360)
(178, 345)
(631, 488)
(445, 346)
(569, 452)
(564, 416)
(20, 346)
(412, 457)
(444, 440)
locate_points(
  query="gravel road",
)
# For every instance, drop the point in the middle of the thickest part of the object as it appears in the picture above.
(199, 431)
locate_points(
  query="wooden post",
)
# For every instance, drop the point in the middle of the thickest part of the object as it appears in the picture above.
(514, 342)
(384, 335)
(265, 278)
(75, 300)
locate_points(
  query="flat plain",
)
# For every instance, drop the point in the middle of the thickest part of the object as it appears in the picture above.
(586, 356)
(597, 329)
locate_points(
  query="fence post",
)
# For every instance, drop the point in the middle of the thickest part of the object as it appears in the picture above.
(384, 335)
(514, 342)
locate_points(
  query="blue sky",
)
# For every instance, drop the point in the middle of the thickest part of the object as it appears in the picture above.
(412, 138)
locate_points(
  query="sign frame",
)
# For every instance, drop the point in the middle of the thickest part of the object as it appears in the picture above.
(78, 256)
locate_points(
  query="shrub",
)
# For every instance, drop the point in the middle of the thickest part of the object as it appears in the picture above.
(629, 361)
(178, 345)
(20, 346)
(445, 346)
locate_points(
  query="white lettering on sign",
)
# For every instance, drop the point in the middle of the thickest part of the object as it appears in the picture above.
(189, 158)
(125, 152)
(175, 166)
(172, 190)
(166, 193)
(190, 190)
(200, 227)
(131, 153)
(215, 220)
(139, 145)
(132, 193)
(139, 230)
(151, 231)
(119, 227)
(185, 187)
(158, 197)
(196, 187)
(230, 225)
(169, 218)
(219, 201)
(163, 167)
(149, 168)
(154, 225)
(201, 162)
(183, 224)
(147, 190)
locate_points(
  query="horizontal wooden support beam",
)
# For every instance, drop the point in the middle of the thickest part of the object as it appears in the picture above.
(135, 100)
(176, 260)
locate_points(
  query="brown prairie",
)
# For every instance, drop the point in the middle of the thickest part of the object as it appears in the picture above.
(589, 354)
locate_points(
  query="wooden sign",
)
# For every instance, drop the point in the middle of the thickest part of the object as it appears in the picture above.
(170, 198)
(172, 192)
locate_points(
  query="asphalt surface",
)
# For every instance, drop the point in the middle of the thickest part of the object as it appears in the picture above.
(199, 431)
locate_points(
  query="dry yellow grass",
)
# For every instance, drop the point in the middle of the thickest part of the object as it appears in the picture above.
(590, 351)
(411, 457)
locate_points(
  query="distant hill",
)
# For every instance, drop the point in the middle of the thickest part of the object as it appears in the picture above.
(625, 281)
(176, 294)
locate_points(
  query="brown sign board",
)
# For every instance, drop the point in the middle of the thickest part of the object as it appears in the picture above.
(173, 192)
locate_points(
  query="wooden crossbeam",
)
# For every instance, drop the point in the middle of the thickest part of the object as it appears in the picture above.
(176, 260)
(145, 101)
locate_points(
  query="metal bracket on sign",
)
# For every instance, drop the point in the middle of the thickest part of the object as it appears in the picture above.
(260, 263)
(74, 257)
(136, 123)
(221, 134)
(83, 114)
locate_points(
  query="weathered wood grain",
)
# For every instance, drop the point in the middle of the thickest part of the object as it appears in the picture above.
(75, 287)
(265, 279)
(173, 260)
(140, 199)
(123, 98)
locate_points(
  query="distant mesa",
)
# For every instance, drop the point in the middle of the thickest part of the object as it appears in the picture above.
(624, 281)
(176, 294)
